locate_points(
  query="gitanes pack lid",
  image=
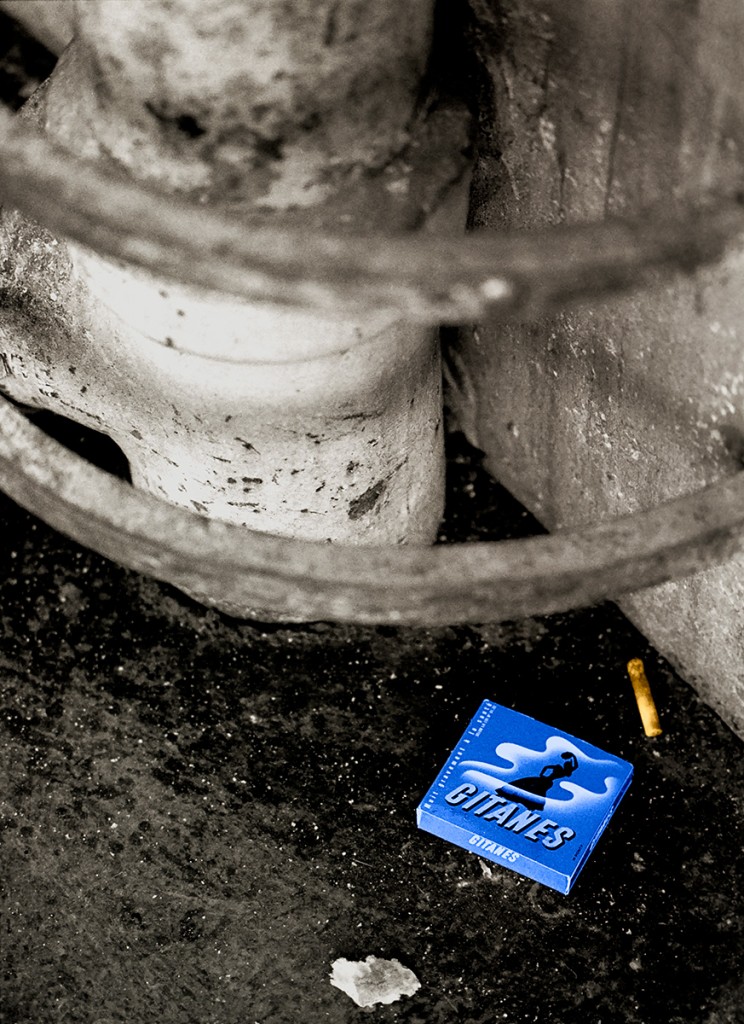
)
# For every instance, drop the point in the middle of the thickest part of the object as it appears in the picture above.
(529, 797)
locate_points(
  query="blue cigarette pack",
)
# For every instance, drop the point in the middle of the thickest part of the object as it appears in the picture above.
(531, 798)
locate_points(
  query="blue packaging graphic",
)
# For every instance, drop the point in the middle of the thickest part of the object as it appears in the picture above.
(529, 797)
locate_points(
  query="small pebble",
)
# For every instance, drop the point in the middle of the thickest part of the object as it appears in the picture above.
(373, 980)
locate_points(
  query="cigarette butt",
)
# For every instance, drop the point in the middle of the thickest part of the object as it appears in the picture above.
(644, 700)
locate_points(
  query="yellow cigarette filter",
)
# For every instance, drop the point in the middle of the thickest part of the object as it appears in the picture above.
(644, 699)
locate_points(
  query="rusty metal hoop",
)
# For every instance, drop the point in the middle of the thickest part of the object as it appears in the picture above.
(272, 577)
(431, 280)
(426, 278)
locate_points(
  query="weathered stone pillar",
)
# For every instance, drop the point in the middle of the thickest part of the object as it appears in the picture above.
(592, 108)
(289, 422)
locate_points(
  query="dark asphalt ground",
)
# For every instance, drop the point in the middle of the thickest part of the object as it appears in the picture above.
(200, 815)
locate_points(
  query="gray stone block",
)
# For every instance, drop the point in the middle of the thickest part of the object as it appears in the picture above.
(601, 109)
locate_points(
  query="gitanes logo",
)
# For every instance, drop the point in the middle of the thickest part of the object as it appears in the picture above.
(534, 792)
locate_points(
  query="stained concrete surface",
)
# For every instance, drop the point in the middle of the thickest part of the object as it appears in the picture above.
(592, 110)
(200, 815)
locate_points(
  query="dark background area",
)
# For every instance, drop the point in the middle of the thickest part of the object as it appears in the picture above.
(199, 815)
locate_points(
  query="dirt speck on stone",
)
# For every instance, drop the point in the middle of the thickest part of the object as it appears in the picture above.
(373, 981)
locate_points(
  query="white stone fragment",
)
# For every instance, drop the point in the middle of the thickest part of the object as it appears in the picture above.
(373, 980)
